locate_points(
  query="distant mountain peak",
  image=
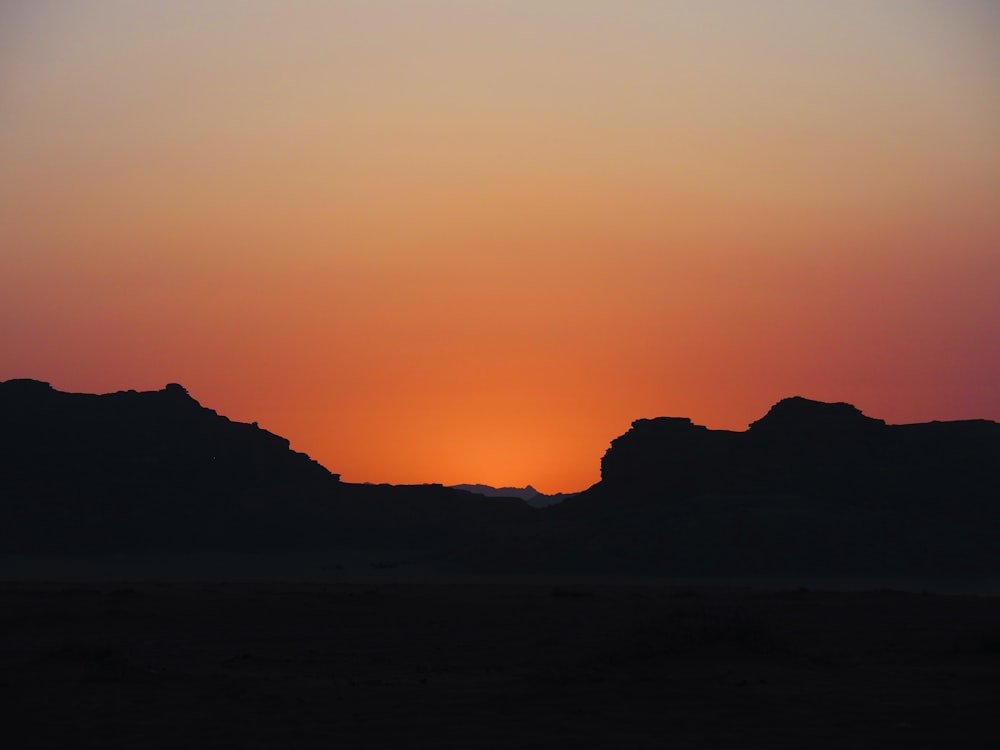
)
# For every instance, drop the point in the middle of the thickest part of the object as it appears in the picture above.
(528, 494)
(488, 490)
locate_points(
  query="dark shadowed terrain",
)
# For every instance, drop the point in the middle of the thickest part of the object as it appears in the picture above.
(811, 490)
(496, 666)
(296, 610)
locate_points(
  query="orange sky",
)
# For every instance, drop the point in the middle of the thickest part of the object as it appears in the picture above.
(471, 242)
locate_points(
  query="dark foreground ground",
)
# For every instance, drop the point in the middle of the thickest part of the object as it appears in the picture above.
(289, 666)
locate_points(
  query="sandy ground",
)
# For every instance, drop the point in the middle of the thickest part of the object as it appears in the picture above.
(303, 666)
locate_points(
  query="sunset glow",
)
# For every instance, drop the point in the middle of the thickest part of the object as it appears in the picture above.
(442, 241)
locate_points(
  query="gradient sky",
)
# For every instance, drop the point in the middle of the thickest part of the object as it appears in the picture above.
(443, 241)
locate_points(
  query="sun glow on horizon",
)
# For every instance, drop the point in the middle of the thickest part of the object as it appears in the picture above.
(444, 242)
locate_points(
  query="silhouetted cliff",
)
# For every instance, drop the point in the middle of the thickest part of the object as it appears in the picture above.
(813, 450)
(162, 437)
(809, 489)
(140, 471)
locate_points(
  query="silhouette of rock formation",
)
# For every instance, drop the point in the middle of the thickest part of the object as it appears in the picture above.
(810, 489)
(139, 471)
(809, 449)
(164, 436)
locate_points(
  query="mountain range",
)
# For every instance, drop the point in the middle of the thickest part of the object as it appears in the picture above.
(811, 489)
(529, 494)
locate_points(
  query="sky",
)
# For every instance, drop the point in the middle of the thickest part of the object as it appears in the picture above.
(443, 241)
